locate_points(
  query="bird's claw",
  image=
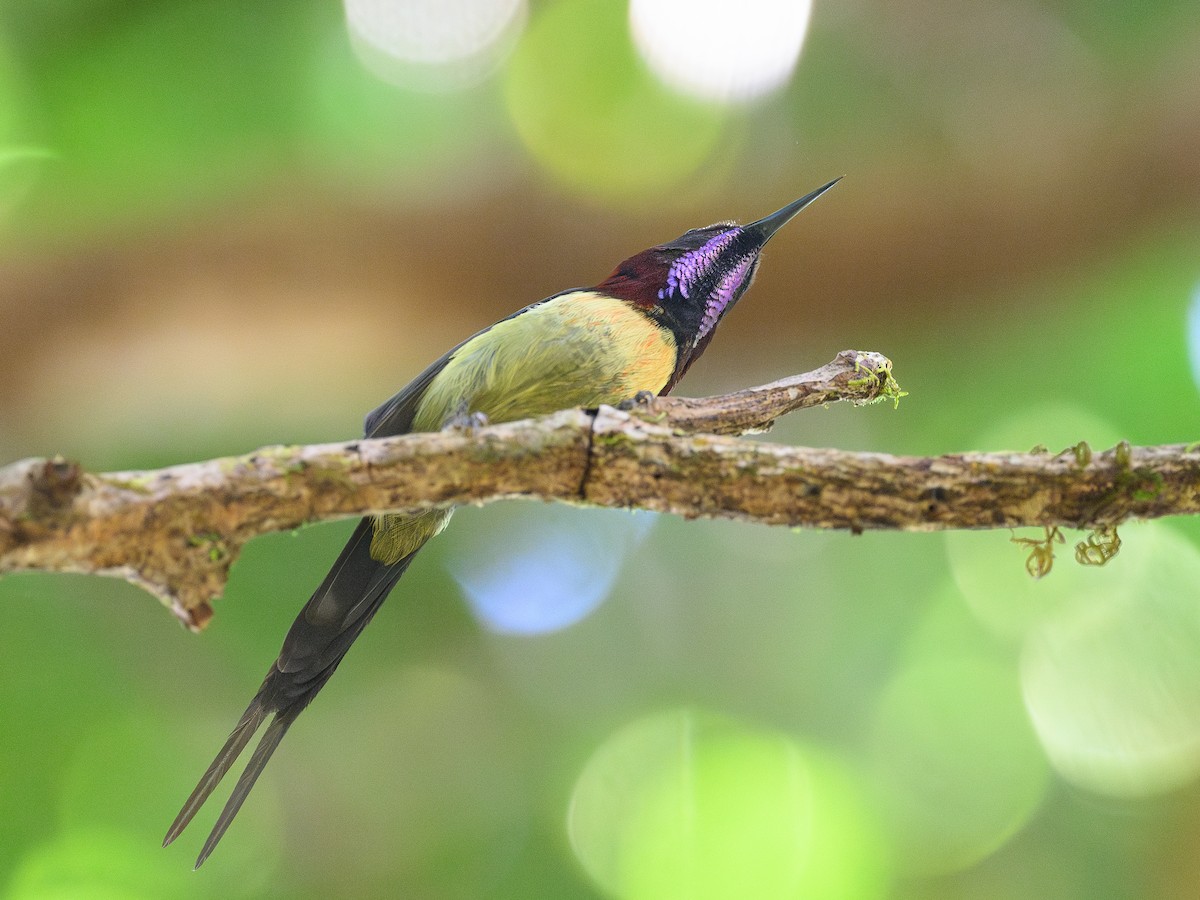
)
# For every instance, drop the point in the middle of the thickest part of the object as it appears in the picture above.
(462, 419)
(644, 399)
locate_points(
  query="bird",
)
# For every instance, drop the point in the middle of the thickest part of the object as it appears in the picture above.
(636, 332)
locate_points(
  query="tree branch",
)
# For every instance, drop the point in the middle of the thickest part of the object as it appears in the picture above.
(176, 531)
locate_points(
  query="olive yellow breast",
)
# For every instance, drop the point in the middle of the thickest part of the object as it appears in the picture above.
(578, 349)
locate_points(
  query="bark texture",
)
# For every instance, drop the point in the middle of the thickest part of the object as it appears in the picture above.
(176, 531)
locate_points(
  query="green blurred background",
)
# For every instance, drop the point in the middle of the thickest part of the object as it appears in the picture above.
(232, 223)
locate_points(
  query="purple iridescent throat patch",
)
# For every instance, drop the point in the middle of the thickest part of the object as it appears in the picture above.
(722, 296)
(692, 266)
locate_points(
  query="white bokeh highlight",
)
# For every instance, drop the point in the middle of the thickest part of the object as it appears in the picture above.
(717, 50)
(433, 44)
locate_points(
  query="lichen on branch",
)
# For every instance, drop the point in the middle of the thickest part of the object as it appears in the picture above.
(176, 531)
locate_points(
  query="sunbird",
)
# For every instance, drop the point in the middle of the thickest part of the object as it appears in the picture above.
(637, 331)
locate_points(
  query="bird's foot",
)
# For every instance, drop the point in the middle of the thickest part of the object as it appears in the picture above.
(643, 399)
(462, 419)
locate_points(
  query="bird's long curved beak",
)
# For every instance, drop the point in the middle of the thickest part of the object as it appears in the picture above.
(768, 225)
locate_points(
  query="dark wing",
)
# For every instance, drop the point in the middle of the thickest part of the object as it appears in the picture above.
(396, 415)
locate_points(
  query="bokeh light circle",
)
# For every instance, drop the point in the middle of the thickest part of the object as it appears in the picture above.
(545, 567)
(957, 766)
(589, 111)
(1113, 689)
(716, 50)
(99, 864)
(433, 44)
(689, 804)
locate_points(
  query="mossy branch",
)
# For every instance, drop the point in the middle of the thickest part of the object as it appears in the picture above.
(177, 530)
